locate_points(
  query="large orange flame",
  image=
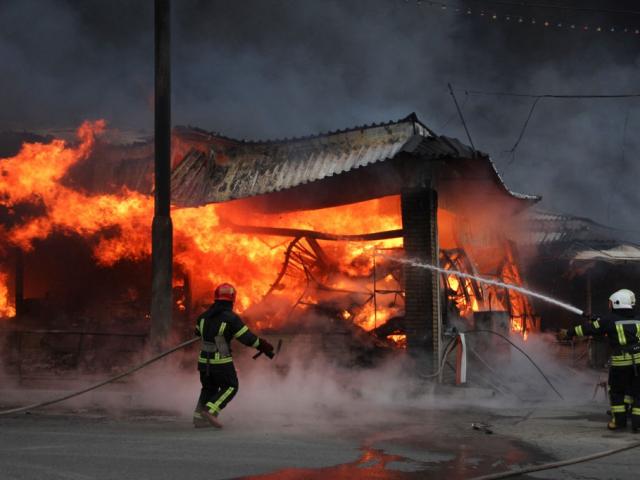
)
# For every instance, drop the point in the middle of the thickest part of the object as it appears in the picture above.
(117, 226)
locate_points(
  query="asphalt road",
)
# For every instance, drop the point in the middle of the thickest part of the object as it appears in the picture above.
(411, 443)
(145, 445)
(309, 423)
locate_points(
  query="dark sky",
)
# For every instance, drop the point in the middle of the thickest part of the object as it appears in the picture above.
(275, 68)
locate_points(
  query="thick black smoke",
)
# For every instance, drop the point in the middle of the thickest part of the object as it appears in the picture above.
(276, 68)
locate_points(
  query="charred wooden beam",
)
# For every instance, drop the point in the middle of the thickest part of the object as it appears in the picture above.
(285, 265)
(323, 261)
(312, 234)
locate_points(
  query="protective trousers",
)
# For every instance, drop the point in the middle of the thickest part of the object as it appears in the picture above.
(219, 386)
(622, 381)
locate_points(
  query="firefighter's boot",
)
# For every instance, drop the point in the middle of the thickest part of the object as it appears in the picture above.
(635, 418)
(612, 425)
(199, 421)
(212, 419)
(619, 417)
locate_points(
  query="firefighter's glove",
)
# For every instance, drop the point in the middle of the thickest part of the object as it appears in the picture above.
(266, 348)
(562, 335)
(589, 316)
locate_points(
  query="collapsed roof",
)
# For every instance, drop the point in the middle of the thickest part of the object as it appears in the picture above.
(330, 169)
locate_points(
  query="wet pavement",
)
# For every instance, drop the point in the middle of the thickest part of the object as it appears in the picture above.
(460, 462)
(406, 445)
(315, 439)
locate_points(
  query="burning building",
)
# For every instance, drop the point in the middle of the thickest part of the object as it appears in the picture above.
(314, 232)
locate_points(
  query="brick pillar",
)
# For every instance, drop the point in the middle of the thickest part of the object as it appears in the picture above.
(422, 308)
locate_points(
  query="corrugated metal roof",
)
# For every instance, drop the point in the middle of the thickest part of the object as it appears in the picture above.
(550, 227)
(233, 169)
(569, 232)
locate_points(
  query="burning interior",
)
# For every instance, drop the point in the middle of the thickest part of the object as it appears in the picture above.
(310, 230)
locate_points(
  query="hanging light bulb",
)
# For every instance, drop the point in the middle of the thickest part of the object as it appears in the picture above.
(532, 21)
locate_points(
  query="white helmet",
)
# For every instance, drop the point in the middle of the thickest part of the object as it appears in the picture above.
(622, 299)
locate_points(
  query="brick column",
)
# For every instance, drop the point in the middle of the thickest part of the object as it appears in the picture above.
(422, 307)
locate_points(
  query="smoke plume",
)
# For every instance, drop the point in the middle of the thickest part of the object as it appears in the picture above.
(260, 69)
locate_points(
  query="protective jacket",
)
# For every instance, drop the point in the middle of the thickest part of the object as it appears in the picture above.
(217, 326)
(623, 331)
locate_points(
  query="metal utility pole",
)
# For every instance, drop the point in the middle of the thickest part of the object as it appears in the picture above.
(19, 282)
(162, 229)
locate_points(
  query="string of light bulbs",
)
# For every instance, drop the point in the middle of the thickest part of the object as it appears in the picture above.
(521, 19)
(566, 8)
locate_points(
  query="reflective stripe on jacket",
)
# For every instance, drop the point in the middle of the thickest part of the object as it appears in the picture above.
(623, 332)
(217, 326)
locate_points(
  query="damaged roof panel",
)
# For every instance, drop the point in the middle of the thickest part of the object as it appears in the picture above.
(249, 169)
(218, 169)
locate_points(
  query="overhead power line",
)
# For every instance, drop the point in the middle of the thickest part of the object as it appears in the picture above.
(464, 124)
(550, 95)
(512, 151)
(536, 98)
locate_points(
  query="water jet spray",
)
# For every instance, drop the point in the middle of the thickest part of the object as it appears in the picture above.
(490, 281)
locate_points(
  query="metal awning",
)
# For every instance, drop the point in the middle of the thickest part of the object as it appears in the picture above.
(355, 164)
(621, 254)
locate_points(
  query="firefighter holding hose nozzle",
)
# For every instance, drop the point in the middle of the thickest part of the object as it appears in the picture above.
(623, 331)
(217, 326)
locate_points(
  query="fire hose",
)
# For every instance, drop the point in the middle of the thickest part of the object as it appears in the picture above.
(545, 466)
(451, 344)
(119, 376)
(512, 473)
(562, 463)
(523, 353)
(534, 468)
(102, 383)
(495, 476)
(446, 352)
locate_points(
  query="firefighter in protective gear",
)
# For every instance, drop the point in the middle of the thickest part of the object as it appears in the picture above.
(623, 331)
(217, 326)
